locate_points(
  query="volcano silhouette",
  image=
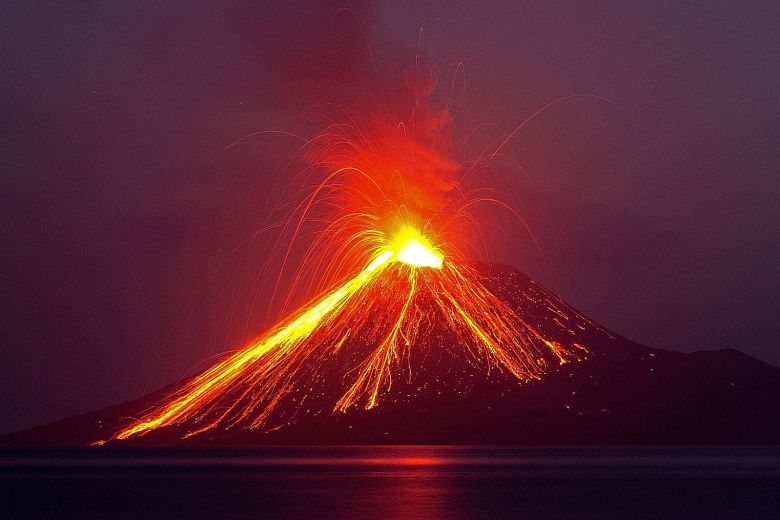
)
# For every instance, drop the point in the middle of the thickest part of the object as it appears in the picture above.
(619, 392)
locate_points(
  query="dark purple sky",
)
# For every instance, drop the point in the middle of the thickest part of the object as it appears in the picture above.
(658, 212)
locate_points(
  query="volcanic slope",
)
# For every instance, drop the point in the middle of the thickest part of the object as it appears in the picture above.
(611, 391)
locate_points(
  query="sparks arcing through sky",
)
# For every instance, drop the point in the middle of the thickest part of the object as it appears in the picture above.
(390, 206)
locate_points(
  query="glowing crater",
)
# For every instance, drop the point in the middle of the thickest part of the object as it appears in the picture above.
(411, 247)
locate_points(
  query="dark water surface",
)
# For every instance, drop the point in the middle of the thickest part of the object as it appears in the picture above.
(394, 482)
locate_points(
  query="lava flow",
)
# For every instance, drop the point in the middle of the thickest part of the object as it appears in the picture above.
(392, 208)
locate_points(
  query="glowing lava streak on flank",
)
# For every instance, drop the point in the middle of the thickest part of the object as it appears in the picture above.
(214, 381)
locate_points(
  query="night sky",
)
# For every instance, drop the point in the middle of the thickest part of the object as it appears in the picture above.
(654, 195)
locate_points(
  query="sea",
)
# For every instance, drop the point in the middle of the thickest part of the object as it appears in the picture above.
(393, 482)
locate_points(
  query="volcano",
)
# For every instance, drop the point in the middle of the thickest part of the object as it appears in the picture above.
(591, 387)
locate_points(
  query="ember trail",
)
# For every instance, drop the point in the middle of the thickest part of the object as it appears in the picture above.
(391, 216)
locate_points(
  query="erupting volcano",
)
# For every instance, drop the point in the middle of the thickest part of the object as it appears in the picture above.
(387, 215)
(392, 198)
(406, 338)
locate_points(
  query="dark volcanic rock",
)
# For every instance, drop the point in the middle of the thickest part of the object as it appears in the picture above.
(620, 392)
